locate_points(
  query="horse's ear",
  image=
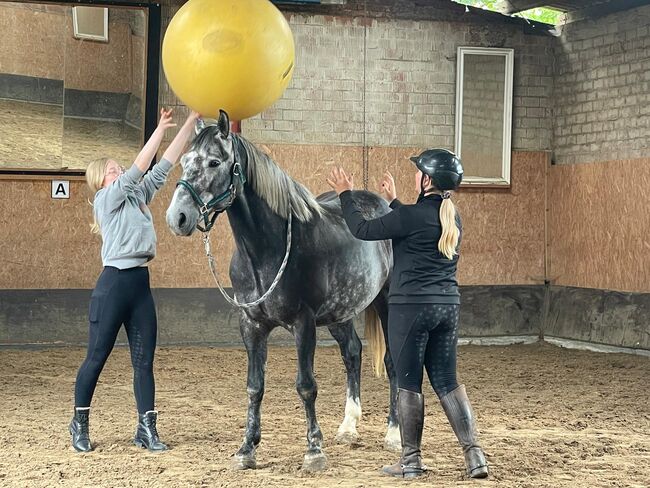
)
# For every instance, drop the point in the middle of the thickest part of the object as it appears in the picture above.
(199, 126)
(223, 123)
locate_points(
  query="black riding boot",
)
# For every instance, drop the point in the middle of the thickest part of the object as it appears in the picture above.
(410, 412)
(146, 434)
(461, 417)
(79, 429)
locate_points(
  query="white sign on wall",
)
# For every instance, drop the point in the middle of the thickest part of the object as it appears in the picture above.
(60, 189)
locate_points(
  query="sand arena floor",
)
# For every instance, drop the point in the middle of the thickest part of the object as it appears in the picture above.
(549, 417)
(36, 136)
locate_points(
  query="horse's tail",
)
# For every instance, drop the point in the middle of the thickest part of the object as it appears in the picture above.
(375, 338)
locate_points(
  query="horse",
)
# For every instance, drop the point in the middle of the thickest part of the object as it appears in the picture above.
(298, 248)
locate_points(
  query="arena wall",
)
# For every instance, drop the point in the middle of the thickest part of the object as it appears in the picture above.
(563, 248)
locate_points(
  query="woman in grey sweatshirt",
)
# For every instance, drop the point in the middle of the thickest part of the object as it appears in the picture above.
(122, 294)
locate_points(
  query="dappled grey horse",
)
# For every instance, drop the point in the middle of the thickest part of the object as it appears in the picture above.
(326, 276)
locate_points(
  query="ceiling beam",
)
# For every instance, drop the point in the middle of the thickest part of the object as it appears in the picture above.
(593, 12)
(510, 7)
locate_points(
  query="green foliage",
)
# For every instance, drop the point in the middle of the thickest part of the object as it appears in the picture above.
(546, 15)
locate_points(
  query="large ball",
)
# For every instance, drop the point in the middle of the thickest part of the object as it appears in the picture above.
(234, 55)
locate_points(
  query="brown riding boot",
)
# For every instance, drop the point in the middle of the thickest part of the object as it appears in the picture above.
(410, 412)
(461, 417)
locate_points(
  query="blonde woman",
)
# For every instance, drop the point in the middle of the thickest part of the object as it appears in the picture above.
(122, 294)
(424, 301)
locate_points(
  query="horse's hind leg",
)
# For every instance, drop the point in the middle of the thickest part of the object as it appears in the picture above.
(255, 339)
(305, 335)
(350, 346)
(392, 440)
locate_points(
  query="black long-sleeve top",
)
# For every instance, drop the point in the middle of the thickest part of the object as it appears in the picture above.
(421, 273)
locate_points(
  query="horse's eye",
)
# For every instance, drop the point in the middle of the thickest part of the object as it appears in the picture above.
(213, 163)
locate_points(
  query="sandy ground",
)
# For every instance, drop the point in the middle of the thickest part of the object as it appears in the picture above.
(549, 417)
(35, 136)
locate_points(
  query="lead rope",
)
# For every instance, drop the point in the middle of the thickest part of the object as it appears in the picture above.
(233, 301)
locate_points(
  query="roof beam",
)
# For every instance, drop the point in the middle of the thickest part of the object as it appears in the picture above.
(593, 12)
(510, 7)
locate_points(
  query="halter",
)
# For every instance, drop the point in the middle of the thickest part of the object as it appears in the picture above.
(209, 210)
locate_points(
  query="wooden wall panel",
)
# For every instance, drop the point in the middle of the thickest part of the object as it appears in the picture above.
(503, 240)
(599, 225)
(47, 243)
(19, 24)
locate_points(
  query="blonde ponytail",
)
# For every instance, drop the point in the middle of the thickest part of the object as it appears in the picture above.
(95, 177)
(94, 227)
(449, 239)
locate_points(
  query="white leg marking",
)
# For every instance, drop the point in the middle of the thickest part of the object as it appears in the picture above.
(347, 432)
(393, 440)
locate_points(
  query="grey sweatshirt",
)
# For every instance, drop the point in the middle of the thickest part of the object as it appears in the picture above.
(128, 235)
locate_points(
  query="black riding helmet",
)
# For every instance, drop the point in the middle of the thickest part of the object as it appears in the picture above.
(442, 166)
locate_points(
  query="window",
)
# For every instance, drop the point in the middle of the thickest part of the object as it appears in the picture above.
(90, 23)
(484, 114)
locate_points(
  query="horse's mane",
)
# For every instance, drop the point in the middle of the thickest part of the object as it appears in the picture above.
(275, 187)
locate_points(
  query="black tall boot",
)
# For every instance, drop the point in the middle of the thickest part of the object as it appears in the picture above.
(410, 412)
(146, 434)
(79, 429)
(461, 417)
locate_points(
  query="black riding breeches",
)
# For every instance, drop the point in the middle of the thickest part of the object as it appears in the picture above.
(120, 297)
(424, 335)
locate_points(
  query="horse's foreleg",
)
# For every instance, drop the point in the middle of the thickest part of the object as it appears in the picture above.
(392, 441)
(305, 335)
(350, 346)
(255, 339)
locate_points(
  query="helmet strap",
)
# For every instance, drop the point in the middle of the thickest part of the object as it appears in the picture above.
(422, 190)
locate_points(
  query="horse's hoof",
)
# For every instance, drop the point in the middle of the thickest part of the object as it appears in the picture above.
(244, 461)
(347, 437)
(314, 462)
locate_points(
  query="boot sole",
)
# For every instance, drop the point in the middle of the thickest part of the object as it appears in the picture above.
(143, 445)
(408, 476)
(405, 476)
(75, 447)
(479, 473)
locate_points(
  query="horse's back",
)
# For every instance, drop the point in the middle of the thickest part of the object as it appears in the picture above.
(371, 205)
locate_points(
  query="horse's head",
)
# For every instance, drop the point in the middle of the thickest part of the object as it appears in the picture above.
(212, 177)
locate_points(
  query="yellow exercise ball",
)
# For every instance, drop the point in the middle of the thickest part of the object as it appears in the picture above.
(234, 55)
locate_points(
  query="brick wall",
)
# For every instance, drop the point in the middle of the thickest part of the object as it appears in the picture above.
(392, 83)
(602, 89)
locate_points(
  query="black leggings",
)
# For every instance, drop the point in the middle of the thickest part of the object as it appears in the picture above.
(424, 335)
(120, 297)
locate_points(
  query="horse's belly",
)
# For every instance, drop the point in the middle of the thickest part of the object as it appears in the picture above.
(354, 283)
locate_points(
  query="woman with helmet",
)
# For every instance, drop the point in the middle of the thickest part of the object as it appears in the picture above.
(424, 301)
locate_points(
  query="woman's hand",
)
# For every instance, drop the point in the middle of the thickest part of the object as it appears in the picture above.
(192, 118)
(387, 187)
(340, 181)
(165, 121)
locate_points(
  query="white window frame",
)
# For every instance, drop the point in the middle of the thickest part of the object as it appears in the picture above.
(75, 24)
(504, 179)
